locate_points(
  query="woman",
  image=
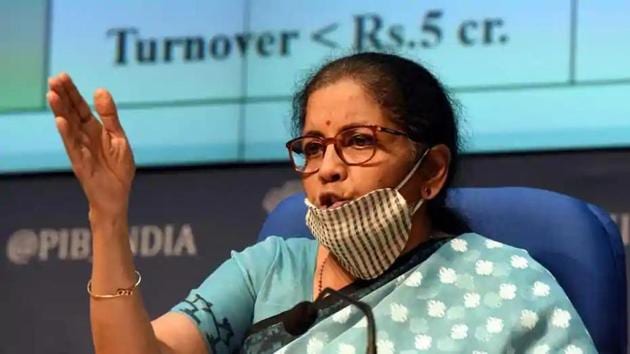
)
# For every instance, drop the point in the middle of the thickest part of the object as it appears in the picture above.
(377, 150)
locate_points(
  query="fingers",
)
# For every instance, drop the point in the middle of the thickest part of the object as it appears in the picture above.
(65, 105)
(71, 138)
(74, 139)
(106, 108)
(56, 104)
(76, 110)
(70, 142)
(79, 104)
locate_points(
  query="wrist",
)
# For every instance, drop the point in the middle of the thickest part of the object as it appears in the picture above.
(98, 216)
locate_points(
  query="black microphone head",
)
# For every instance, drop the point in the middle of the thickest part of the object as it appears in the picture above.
(300, 318)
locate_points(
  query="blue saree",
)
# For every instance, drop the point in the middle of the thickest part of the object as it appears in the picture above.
(462, 294)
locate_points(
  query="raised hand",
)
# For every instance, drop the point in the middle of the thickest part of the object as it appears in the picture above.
(99, 151)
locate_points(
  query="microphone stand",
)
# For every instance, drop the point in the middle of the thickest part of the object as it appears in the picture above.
(365, 308)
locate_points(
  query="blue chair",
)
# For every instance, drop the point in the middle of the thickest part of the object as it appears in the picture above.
(576, 241)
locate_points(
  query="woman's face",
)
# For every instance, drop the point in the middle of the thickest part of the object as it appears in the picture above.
(335, 107)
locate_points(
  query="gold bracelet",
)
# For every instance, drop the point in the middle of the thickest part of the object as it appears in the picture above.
(119, 291)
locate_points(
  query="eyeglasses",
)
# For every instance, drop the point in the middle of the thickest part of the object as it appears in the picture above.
(354, 145)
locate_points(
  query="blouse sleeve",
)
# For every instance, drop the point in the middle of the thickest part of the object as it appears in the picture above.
(222, 306)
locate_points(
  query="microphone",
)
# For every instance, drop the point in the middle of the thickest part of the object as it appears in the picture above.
(367, 311)
(300, 318)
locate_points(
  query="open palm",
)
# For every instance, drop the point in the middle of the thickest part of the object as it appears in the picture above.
(99, 151)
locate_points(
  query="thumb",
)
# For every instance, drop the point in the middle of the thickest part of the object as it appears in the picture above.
(106, 108)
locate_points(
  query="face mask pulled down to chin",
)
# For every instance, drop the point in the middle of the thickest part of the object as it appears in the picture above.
(366, 235)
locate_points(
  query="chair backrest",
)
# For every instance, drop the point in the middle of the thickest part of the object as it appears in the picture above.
(576, 241)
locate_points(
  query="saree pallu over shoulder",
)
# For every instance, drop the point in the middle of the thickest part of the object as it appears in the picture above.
(467, 294)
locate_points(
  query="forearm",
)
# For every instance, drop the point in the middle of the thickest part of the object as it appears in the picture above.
(119, 325)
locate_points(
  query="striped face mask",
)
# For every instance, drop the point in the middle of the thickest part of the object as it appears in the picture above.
(366, 235)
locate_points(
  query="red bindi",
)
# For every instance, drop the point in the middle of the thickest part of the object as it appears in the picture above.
(327, 123)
